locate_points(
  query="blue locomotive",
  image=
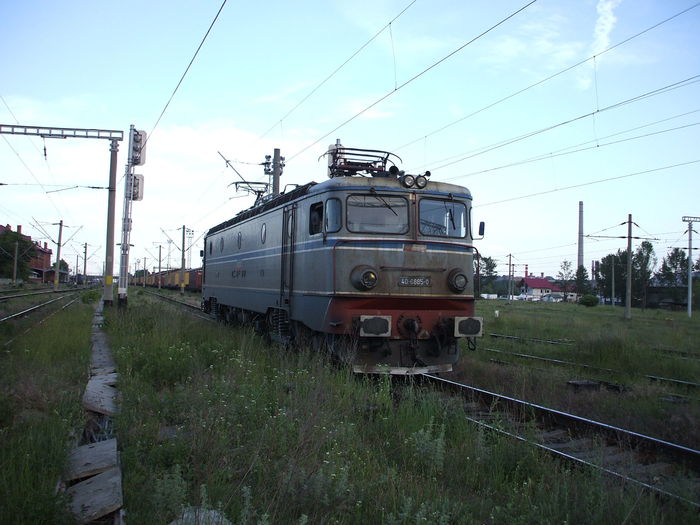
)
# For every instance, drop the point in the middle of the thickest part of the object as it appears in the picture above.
(373, 264)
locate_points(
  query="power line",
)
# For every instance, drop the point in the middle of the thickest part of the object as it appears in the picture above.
(669, 87)
(359, 50)
(31, 173)
(185, 73)
(407, 82)
(561, 153)
(546, 79)
(590, 183)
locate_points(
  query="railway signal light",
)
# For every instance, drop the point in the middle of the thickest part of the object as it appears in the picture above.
(137, 188)
(138, 147)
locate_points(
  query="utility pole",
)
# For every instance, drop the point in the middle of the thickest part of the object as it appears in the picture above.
(170, 246)
(160, 276)
(144, 273)
(612, 271)
(182, 267)
(690, 221)
(510, 278)
(58, 256)
(628, 295)
(14, 266)
(108, 295)
(85, 266)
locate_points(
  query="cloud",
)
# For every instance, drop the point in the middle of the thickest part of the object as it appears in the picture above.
(535, 45)
(604, 25)
(285, 93)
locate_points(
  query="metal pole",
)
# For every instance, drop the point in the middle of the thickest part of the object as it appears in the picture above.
(612, 270)
(690, 270)
(85, 265)
(628, 296)
(144, 273)
(510, 279)
(182, 267)
(108, 295)
(276, 172)
(123, 290)
(57, 269)
(690, 221)
(160, 275)
(14, 266)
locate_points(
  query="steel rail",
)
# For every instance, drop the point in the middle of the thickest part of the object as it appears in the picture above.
(677, 382)
(572, 458)
(6, 297)
(29, 310)
(10, 341)
(548, 341)
(669, 351)
(181, 303)
(680, 453)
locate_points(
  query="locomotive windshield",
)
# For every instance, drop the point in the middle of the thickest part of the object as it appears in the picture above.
(443, 218)
(375, 213)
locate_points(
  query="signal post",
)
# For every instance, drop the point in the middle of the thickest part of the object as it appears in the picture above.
(133, 191)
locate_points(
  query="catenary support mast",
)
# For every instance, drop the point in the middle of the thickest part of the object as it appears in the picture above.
(114, 136)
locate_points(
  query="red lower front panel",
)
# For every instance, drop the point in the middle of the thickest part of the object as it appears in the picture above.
(412, 317)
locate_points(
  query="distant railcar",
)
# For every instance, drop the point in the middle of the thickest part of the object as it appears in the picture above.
(374, 265)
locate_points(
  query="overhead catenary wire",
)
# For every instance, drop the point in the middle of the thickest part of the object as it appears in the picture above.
(184, 74)
(589, 183)
(597, 145)
(415, 77)
(506, 142)
(336, 70)
(546, 79)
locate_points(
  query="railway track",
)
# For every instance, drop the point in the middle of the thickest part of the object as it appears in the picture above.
(31, 309)
(566, 342)
(184, 304)
(667, 469)
(39, 321)
(29, 294)
(659, 379)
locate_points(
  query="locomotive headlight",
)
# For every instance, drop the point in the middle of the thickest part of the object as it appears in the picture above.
(369, 279)
(364, 278)
(457, 280)
(408, 180)
(421, 182)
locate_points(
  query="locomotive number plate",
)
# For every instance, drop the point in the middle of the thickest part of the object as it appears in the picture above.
(414, 281)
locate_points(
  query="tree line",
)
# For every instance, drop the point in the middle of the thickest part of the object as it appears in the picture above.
(671, 274)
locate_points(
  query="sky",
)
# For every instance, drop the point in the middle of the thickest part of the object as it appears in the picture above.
(532, 106)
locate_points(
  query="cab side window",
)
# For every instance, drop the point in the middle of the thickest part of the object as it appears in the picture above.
(334, 215)
(316, 218)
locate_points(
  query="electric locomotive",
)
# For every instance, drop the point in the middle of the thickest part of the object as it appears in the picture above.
(374, 265)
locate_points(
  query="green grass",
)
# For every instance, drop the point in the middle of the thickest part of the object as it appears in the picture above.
(211, 416)
(42, 375)
(602, 338)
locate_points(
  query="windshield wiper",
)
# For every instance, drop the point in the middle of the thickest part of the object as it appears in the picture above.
(450, 213)
(376, 195)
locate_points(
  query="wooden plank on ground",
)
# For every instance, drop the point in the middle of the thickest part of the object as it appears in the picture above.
(96, 496)
(109, 379)
(88, 460)
(100, 398)
(101, 356)
(104, 370)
